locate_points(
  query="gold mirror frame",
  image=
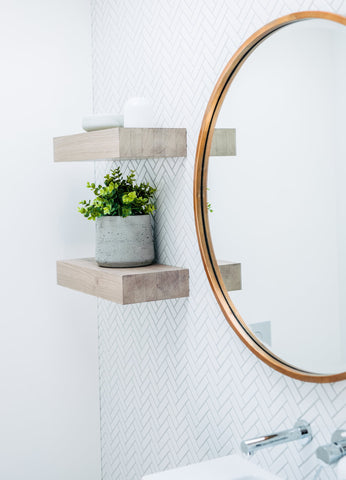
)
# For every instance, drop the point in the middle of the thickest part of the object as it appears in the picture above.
(200, 199)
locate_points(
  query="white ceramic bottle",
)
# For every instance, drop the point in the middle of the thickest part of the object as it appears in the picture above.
(138, 113)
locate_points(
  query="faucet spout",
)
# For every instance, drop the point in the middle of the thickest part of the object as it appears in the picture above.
(300, 431)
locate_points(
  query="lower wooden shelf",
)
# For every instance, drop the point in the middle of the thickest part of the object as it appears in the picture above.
(124, 285)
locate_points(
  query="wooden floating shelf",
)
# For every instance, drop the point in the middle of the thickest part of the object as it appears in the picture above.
(231, 274)
(121, 143)
(223, 143)
(124, 285)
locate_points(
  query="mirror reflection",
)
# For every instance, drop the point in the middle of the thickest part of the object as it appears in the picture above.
(279, 202)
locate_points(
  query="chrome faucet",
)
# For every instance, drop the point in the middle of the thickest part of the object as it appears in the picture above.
(333, 451)
(300, 431)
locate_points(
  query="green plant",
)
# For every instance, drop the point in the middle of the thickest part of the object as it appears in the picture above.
(118, 197)
(209, 207)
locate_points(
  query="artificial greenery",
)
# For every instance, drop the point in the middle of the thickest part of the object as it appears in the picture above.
(118, 197)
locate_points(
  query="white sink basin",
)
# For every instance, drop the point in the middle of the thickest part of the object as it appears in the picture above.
(232, 467)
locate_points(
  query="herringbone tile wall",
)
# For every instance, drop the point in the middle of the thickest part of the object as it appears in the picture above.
(177, 386)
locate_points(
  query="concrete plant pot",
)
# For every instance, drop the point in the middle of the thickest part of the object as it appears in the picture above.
(124, 242)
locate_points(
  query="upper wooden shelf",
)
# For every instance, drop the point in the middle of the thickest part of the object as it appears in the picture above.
(124, 285)
(121, 143)
(223, 143)
(231, 274)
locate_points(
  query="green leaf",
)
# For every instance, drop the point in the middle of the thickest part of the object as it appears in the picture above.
(126, 211)
(129, 197)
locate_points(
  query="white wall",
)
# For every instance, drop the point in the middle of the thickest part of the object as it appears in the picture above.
(48, 335)
(177, 385)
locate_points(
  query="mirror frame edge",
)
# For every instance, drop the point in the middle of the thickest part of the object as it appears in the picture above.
(200, 198)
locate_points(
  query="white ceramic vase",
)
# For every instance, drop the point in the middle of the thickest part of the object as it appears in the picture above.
(138, 113)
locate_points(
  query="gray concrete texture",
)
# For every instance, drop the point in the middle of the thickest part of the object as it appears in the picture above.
(124, 242)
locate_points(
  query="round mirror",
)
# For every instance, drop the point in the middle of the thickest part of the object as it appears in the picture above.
(270, 195)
